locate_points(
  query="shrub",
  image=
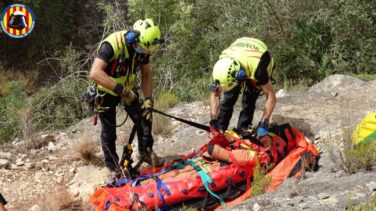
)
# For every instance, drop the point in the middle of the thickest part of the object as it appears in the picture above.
(260, 180)
(371, 205)
(303, 56)
(59, 106)
(161, 124)
(12, 104)
(352, 158)
(86, 148)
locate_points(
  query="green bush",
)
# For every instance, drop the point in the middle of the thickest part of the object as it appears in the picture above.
(12, 104)
(353, 24)
(353, 158)
(260, 180)
(59, 106)
(371, 205)
(304, 55)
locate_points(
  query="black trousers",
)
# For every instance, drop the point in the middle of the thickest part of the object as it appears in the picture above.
(249, 97)
(108, 133)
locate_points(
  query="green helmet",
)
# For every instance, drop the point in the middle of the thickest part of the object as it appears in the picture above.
(225, 72)
(150, 35)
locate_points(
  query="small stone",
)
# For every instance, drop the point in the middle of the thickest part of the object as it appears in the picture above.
(59, 180)
(29, 166)
(38, 175)
(76, 193)
(281, 93)
(256, 207)
(334, 94)
(4, 163)
(6, 155)
(200, 132)
(51, 147)
(12, 166)
(331, 200)
(322, 196)
(72, 170)
(19, 162)
(371, 186)
(51, 157)
(36, 207)
(39, 165)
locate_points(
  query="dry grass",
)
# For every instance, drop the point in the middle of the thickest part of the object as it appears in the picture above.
(26, 124)
(60, 200)
(352, 158)
(294, 190)
(85, 148)
(161, 124)
(36, 142)
(371, 205)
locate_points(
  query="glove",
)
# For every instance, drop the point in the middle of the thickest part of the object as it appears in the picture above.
(214, 124)
(128, 96)
(147, 107)
(262, 129)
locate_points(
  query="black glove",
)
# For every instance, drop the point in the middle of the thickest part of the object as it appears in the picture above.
(214, 124)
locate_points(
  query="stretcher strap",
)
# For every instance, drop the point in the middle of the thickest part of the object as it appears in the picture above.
(119, 182)
(206, 179)
(161, 185)
(148, 176)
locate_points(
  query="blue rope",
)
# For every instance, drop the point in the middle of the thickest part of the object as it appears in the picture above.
(206, 180)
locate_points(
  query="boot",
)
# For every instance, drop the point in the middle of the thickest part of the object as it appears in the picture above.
(152, 158)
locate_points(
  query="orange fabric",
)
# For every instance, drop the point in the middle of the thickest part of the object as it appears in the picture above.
(298, 149)
(283, 169)
(280, 172)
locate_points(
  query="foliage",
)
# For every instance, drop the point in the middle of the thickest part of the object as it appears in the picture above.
(304, 55)
(307, 39)
(371, 205)
(59, 106)
(260, 180)
(11, 103)
(353, 24)
(353, 158)
(163, 101)
(365, 77)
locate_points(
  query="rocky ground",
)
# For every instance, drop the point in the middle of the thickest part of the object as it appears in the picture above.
(49, 174)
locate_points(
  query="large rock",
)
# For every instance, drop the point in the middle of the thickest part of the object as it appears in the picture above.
(86, 180)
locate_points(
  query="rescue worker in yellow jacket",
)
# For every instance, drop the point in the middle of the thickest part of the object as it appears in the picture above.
(245, 66)
(119, 58)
